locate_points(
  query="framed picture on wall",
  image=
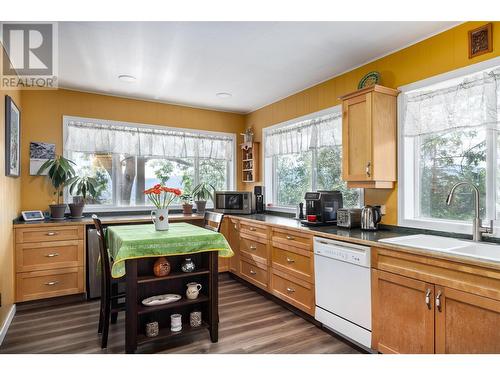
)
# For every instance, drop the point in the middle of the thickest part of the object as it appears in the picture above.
(12, 138)
(40, 152)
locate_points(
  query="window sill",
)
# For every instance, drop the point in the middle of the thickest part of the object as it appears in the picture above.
(444, 225)
(288, 210)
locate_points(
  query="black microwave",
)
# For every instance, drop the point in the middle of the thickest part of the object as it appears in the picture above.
(234, 202)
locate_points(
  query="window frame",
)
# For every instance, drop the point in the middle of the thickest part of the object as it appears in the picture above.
(408, 181)
(269, 164)
(230, 169)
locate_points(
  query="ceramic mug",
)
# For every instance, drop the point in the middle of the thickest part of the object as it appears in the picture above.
(192, 291)
(176, 322)
(195, 319)
(160, 218)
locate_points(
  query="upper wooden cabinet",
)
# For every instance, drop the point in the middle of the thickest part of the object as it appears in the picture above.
(369, 128)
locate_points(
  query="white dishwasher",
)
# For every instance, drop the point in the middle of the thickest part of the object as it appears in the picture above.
(343, 289)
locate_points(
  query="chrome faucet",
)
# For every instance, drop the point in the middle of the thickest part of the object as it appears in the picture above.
(477, 228)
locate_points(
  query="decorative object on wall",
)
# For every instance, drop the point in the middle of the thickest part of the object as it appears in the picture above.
(195, 319)
(162, 299)
(40, 152)
(481, 40)
(152, 329)
(161, 267)
(12, 138)
(176, 322)
(193, 290)
(370, 79)
(188, 265)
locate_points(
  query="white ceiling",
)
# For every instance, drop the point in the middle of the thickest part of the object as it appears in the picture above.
(189, 62)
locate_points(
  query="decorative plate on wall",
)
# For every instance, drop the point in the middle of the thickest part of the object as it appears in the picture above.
(369, 79)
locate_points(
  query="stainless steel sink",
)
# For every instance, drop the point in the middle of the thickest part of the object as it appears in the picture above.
(477, 250)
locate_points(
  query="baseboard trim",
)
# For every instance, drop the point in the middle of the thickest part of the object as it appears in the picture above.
(6, 324)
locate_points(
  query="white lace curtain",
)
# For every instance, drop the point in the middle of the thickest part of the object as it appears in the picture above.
(473, 102)
(325, 131)
(93, 136)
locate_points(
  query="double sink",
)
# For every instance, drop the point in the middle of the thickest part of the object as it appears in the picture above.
(470, 249)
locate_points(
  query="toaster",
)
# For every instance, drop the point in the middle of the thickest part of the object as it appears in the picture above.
(349, 217)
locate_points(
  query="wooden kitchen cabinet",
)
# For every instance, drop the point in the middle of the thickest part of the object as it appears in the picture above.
(403, 320)
(369, 128)
(234, 242)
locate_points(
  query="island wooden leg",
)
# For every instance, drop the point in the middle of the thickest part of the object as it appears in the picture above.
(214, 296)
(131, 306)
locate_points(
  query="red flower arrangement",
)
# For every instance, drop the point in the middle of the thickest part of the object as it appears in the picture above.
(162, 196)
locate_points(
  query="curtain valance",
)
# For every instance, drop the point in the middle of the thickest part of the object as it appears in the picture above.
(472, 102)
(325, 131)
(103, 137)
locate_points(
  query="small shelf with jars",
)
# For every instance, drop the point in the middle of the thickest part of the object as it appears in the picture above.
(249, 160)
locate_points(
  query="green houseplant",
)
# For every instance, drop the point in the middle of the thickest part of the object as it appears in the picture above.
(201, 194)
(80, 188)
(187, 203)
(59, 172)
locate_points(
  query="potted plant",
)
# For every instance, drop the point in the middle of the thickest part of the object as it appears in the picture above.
(59, 171)
(80, 188)
(201, 193)
(187, 203)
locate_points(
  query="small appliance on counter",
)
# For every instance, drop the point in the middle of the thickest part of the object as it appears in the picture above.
(260, 205)
(234, 202)
(370, 217)
(321, 207)
(349, 217)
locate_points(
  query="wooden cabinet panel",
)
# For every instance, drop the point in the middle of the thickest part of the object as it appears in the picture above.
(234, 241)
(46, 284)
(402, 321)
(284, 238)
(293, 290)
(256, 230)
(466, 323)
(49, 255)
(296, 262)
(253, 248)
(254, 273)
(223, 263)
(49, 233)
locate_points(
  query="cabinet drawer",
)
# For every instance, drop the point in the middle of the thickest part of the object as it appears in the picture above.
(294, 291)
(298, 263)
(42, 234)
(253, 273)
(46, 284)
(284, 238)
(49, 255)
(257, 230)
(255, 249)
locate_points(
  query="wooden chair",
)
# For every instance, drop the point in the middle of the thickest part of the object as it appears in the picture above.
(109, 288)
(212, 221)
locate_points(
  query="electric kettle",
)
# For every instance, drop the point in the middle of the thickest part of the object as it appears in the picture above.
(370, 217)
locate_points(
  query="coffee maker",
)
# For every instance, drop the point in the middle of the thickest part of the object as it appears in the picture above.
(324, 205)
(260, 206)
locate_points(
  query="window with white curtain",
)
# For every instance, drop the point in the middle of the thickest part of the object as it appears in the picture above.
(305, 154)
(127, 158)
(449, 133)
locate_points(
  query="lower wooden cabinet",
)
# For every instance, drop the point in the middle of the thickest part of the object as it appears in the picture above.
(296, 292)
(254, 272)
(234, 241)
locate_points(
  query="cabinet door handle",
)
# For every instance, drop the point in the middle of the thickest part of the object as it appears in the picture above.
(290, 290)
(428, 298)
(290, 260)
(52, 234)
(253, 247)
(438, 300)
(52, 255)
(52, 283)
(252, 229)
(235, 227)
(290, 237)
(252, 272)
(368, 166)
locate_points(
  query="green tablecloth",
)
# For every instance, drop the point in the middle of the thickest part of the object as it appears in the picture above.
(143, 241)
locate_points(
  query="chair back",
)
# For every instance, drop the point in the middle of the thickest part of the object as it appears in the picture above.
(212, 221)
(104, 256)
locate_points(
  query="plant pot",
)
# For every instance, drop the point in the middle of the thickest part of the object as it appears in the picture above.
(187, 209)
(57, 211)
(76, 210)
(200, 207)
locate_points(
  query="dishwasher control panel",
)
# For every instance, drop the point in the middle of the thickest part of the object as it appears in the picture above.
(346, 252)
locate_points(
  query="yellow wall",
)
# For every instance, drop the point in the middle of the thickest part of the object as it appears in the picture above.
(441, 53)
(42, 121)
(10, 203)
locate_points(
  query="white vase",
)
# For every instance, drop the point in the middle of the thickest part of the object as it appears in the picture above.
(160, 218)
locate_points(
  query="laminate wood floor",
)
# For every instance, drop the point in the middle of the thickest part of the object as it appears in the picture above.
(249, 323)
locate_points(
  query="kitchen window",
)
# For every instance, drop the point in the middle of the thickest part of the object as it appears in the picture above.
(127, 158)
(305, 154)
(449, 133)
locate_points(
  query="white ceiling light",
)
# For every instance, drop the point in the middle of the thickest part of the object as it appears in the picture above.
(127, 78)
(223, 95)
